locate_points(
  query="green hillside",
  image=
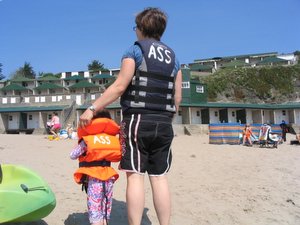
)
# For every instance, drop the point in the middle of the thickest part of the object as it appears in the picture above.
(276, 84)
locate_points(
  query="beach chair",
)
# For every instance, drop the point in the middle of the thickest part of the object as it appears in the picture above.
(267, 138)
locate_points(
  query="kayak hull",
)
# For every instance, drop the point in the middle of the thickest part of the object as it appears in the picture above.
(24, 195)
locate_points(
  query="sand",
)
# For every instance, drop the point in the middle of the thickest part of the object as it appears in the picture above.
(210, 184)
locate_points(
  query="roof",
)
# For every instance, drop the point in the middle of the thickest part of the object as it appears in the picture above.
(83, 84)
(75, 77)
(110, 106)
(21, 79)
(48, 86)
(103, 76)
(199, 67)
(291, 105)
(235, 63)
(33, 108)
(272, 60)
(49, 77)
(239, 56)
(14, 87)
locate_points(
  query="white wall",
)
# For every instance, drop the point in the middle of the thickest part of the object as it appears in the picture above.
(279, 116)
(213, 118)
(34, 123)
(177, 119)
(231, 115)
(14, 123)
(195, 119)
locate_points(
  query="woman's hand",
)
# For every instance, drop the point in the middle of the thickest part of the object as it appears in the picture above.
(86, 118)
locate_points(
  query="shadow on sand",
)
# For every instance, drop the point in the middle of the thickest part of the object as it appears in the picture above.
(118, 216)
(39, 222)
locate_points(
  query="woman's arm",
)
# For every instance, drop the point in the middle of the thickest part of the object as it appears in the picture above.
(178, 94)
(113, 92)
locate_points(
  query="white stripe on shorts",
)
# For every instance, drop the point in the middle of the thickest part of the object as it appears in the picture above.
(131, 144)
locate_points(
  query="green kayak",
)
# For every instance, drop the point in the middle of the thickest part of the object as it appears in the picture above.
(24, 195)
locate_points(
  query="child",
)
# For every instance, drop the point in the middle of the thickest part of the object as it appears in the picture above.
(247, 133)
(98, 147)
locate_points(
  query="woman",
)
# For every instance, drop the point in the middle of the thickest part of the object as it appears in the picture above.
(55, 124)
(149, 84)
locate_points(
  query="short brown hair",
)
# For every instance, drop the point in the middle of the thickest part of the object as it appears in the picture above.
(152, 22)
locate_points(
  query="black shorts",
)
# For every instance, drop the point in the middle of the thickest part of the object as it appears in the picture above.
(146, 143)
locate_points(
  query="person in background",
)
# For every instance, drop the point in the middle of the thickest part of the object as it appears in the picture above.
(97, 147)
(284, 130)
(247, 133)
(149, 84)
(55, 124)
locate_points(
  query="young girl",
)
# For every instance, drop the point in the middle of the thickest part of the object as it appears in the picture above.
(247, 132)
(98, 147)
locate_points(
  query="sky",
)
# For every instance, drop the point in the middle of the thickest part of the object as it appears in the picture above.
(66, 35)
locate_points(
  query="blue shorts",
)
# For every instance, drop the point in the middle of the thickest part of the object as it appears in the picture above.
(146, 143)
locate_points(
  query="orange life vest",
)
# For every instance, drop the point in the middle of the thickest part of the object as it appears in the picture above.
(103, 147)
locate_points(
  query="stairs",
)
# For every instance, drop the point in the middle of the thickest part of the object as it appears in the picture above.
(196, 129)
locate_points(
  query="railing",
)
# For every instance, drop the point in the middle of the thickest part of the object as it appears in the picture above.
(67, 112)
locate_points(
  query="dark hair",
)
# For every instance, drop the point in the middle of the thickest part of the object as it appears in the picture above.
(102, 114)
(152, 22)
(55, 113)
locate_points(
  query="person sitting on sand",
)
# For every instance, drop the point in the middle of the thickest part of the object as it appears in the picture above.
(247, 132)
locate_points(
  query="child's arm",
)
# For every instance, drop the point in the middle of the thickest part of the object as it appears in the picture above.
(78, 150)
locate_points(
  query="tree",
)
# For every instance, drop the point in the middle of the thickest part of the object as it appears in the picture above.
(96, 65)
(1, 75)
(25, 71)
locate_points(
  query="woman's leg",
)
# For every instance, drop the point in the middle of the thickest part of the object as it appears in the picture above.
(161, 198)
(53, 132)
(135, 198)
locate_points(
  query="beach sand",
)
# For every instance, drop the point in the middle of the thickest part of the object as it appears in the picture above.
(210, 184)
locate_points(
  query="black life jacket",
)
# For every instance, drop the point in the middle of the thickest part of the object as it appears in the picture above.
(153, 85)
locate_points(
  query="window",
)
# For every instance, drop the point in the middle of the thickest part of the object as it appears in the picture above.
(49, 117)
(233, 114)
(283, 112)
(118, 113)
(199, 89)
(29, 117)
(198, 113)
(179, 113)
(185, 84)
(216, 113)
(10, 118)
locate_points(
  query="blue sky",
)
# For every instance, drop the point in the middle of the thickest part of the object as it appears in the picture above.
(66, 35)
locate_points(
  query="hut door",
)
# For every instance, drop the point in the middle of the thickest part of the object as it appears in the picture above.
(205, 116)
(241, 116)
(23, 121)
(223, 115)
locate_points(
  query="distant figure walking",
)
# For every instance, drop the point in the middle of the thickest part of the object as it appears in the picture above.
(284, 130)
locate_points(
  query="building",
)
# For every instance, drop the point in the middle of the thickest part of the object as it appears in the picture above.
(27, 104)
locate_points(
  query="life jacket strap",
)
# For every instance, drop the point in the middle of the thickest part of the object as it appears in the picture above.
(94, 163)
(157, 76)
